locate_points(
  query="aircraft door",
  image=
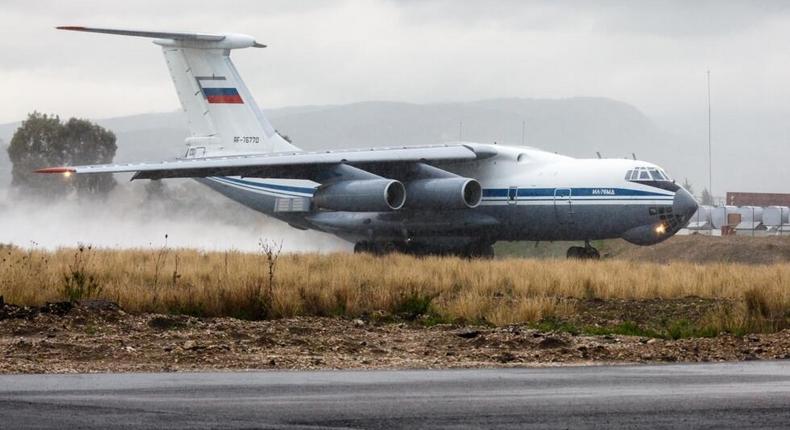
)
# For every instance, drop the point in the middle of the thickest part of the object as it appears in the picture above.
(563, 205)
(512, 195)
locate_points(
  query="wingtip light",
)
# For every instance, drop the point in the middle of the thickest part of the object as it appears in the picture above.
(65, 170)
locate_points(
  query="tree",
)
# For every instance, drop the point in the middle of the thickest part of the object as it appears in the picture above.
(43, 140)
(284, 136)
(707, 198)
(89, 143)
(35, 144)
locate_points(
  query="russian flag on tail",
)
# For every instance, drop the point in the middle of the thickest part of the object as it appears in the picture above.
(215, 90)
(222, 95)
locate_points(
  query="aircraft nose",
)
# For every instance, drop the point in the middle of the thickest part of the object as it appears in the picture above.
(684, 204)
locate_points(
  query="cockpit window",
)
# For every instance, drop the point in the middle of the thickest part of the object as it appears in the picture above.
(656, 175)
(651, 174)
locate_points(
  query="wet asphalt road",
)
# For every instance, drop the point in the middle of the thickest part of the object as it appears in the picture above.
(737, 395)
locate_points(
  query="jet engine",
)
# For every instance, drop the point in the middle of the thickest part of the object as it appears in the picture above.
(443, 193)
(366, 195)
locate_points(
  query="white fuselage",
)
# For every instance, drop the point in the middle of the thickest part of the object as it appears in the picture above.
(528, 194)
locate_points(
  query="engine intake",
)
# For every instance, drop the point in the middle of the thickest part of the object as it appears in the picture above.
(443, 193)
(368, 195)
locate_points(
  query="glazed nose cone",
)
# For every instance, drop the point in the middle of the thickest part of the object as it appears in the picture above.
(684, 204)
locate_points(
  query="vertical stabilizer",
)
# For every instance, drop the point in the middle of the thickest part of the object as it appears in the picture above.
(222, 115)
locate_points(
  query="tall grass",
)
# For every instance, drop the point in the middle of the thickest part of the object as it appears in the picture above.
(497, 292)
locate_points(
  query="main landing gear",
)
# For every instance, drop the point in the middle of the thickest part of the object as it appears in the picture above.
(483, 250)
(376, 248)
(586, 252)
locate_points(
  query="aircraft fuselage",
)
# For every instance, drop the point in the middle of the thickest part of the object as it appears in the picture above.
(528, 194)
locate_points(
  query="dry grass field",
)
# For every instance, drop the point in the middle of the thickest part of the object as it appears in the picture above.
(553, 293)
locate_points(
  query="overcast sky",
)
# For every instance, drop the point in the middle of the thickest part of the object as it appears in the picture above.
(652, 54)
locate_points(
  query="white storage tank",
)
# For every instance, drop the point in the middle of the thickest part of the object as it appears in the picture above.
(751, 217)
(774, 216)
(720, 214)
(701, 220)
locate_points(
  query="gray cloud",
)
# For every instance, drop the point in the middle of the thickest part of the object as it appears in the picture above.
(651, 54)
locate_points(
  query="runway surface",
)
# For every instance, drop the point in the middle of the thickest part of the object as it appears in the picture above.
(735, 395)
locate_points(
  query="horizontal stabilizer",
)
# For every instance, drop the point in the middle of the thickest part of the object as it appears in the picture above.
(185, 37)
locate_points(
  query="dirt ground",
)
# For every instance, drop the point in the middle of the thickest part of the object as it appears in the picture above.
(100, 337)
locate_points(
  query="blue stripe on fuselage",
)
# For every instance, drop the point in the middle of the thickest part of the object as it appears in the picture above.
(575, 192)
(488, 193)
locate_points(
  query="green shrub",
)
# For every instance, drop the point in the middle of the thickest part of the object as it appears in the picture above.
(78, 282)
(412, 304)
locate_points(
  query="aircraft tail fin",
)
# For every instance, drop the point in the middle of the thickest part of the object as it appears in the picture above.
(223, 116)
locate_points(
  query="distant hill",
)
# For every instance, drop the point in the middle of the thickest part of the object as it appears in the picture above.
(575, 126)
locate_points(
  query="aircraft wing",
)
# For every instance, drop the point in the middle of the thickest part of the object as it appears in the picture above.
(287, 165)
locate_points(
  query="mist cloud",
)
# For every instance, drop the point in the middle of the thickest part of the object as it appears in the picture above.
(126, 219)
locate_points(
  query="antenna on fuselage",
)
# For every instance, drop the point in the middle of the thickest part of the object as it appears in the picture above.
(633, 155)
(598, 154)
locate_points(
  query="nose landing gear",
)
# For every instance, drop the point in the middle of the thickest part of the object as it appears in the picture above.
(586, 252)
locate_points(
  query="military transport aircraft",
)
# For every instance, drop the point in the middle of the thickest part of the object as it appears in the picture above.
(451, 198)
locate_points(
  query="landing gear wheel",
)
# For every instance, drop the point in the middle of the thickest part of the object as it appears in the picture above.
(487, 252)
(575, 252)
(592, 253)
(480, 250)
(361, 247)
(583, 253)
(376, 248)
(388, 248)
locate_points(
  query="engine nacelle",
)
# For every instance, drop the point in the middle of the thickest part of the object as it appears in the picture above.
(443, 193)
(367, 195)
